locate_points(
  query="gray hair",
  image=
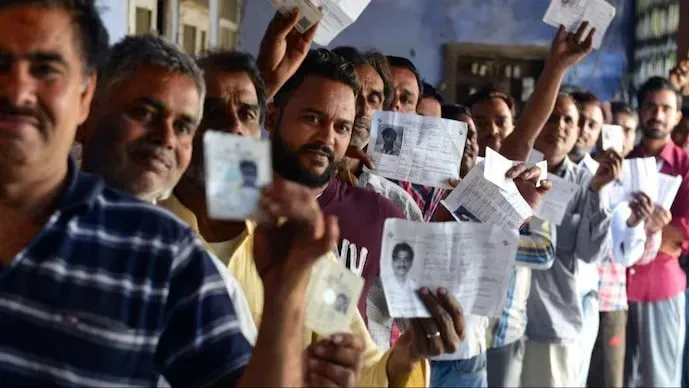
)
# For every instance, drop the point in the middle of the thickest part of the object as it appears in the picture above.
(147, 49)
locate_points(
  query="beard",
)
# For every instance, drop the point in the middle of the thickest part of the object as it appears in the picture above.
(287, 164)
(361, 132)
(655, 133)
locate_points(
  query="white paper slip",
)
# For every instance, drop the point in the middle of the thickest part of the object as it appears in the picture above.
(333, 294)
(236, 169)
(640, 174)
(418, 149)
(473, 261)
(478, 200)
(553, 206)
(308, 12)
(571, 13)
(535, 156)
(612, 137)
(496, 167)
(668, 186)
(337, 15)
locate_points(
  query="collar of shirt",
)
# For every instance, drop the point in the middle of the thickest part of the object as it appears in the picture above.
(589, 163)
(669, 154)
(564, 167)
(80, 192)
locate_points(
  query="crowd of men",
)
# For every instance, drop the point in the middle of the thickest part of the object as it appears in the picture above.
(113, 274)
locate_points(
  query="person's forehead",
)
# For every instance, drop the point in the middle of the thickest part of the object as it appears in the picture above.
(225, 84)
(32, 28)
(565, 106)
(176, 91)
(404, 77)
(661, 97)
(369, 77)
(492, 106)
(592, 111)
(324, 95)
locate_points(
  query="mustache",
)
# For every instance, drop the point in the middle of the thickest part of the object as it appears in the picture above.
(9, 109)
(362, 122)
(154, 152)
(321, 148)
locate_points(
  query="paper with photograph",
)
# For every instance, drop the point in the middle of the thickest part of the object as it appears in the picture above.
(236, 169)
(668, 187)
(612, 137)
(478, 200)
(418, 149)
(332, 294)
(571, 13)
(309, 13)
(473, 261)
(553, 205)
(640, 174)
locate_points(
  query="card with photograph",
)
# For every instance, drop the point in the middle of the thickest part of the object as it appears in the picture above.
(236, 168)
(333, 294)
(612, 137)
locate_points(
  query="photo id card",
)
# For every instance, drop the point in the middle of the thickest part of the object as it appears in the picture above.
(236, 169)
(612, 137)
(333, 294)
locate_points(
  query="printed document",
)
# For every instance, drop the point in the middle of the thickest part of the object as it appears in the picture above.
(473, 261)
(333, 293)
(612, 137)
(417, 149)
(640, 174)
(478, 200)
(496, 167)
(571, 13)
(554, 204)
(336, 15)
(668, 186)
(236, 168)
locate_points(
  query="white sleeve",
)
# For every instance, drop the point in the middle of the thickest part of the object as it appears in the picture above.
(241, 306)
(628, 243)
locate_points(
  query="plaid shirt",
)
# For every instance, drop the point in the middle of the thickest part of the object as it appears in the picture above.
(428, 198)
(612, 285)
(116, 292)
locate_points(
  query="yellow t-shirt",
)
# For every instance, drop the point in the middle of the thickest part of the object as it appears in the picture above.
(242, 267)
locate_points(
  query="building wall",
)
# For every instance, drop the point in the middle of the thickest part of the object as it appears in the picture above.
(418, 29)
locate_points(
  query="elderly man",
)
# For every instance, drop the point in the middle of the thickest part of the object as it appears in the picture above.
(127, 289)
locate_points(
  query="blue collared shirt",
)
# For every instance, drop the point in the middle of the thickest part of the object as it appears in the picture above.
(116, 292)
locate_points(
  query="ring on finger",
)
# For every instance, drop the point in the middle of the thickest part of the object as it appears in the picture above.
(434, 335)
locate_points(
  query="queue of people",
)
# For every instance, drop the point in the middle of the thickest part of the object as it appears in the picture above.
(112, 272)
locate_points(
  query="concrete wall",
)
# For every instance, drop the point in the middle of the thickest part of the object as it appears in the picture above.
(115, 16)
(418, 28)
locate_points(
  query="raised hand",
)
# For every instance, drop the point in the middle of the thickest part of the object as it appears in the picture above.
(642, 208)
(679, 75)
(526, 179)
(609, 170)
(294, 235)
(658, 220)
(334, 362)
(569, 48)
(361, 155)
(282, 51)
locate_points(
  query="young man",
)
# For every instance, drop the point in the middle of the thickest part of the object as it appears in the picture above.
(555, 315)
(590, 125)
(656, 324)
(494, 113)
(129, 290)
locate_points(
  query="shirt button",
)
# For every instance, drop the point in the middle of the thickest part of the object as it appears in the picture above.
(632, 271)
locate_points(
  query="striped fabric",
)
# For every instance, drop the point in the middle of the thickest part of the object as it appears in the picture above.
(536, 252)
(428, 198)
(612, 285)
(115, 292)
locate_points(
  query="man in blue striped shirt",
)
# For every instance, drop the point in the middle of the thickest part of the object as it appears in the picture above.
(100, 289)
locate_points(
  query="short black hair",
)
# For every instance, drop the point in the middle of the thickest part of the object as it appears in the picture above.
(452, 111)
(583, 97)
(247, 163)
(621, 107)
(237, 62)
(377, 61)
(403, 247)
(323, 63)
(654, 84)
(90, 31)
(685, 111)
(431, 92)
(490, 93)
(404, 63)
(389, 132)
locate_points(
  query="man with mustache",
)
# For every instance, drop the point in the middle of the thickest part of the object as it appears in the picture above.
(494, 112)
(656, 325)
(555, 315)
(100, 288)
(590, 126)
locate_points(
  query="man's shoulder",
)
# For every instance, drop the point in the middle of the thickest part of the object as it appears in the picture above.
(365, 199)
